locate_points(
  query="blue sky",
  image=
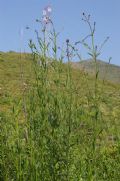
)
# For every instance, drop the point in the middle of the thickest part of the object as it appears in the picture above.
(67, 14)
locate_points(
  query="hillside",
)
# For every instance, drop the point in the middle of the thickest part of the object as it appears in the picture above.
(16, 71)
(107, 71)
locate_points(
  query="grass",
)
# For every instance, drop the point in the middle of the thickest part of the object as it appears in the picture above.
(57, 123)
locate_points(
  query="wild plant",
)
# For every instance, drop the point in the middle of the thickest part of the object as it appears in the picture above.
(62, 127)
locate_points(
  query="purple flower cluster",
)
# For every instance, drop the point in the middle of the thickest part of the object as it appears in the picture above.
(46, 14)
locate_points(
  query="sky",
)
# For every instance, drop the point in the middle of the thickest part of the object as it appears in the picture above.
(67, 17)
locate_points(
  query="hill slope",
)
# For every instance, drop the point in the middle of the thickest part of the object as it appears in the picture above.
(107, 71)
(16, 71)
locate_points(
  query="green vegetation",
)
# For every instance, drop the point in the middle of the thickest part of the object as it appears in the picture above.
(58, 123)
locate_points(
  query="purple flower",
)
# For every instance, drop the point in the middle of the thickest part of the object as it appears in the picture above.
(47, 11)
(46, 14)
(46, 19)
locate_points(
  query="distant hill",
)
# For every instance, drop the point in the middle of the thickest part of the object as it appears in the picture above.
(107, 71)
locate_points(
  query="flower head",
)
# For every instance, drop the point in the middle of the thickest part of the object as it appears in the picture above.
(47, 10)
(46, 20)
(67, 41)
(46, 14)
